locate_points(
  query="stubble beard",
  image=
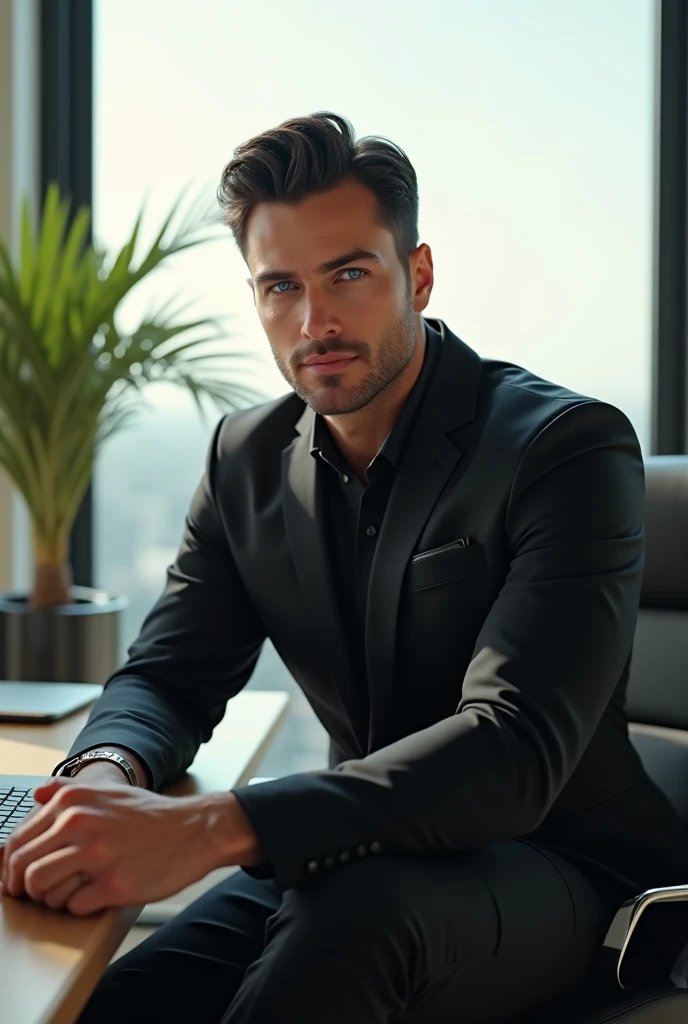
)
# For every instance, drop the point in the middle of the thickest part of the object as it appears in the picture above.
(394, 353)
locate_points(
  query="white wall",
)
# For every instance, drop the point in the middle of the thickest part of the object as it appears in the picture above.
(19, 173)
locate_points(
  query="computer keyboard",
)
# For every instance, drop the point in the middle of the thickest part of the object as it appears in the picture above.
(14, 804)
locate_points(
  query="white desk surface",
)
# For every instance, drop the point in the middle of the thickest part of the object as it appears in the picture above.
(50, 961)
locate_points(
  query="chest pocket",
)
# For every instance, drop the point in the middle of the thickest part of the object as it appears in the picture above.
(443, 564)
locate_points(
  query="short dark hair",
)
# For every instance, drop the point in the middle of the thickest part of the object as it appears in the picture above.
(307, 155)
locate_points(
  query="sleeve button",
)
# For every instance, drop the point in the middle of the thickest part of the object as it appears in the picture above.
(362, 851)
(344, 856)
(330, 862)
(313, 866)
(375, 847)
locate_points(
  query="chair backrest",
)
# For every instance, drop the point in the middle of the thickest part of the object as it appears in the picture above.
(657, 704)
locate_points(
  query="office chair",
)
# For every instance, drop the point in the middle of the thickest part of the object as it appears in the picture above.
(634, 984)
(639, 986)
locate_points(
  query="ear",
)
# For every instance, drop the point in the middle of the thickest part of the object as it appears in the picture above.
(422, 276)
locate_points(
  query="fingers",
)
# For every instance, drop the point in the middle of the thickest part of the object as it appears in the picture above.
(70, 825)
(57, 881)
(39, 819)
(59, 896)
(54, 879)
(27, 853)
(88, 899)
(52, 871)
(79, 898)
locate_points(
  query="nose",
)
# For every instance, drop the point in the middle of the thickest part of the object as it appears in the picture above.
(319, 323)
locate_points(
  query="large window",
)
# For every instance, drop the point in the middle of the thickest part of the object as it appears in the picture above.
(530, 127)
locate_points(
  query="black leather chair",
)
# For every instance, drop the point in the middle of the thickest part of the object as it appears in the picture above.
(658, 711)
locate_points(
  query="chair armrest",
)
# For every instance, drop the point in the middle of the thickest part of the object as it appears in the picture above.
(626, 924)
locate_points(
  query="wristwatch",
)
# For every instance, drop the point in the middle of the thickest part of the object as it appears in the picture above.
(73, 766)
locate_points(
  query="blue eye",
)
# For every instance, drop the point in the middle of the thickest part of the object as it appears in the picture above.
(282, 287)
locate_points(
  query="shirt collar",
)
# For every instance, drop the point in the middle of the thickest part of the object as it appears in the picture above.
(393, 445)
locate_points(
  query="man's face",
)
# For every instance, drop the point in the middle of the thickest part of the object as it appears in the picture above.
(328, 283)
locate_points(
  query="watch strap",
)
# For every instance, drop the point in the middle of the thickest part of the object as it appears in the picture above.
(75, 764)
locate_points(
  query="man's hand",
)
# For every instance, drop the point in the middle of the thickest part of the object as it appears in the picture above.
(98, 773)
(136, 846)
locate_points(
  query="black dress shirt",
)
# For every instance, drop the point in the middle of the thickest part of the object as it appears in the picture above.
(354, 511)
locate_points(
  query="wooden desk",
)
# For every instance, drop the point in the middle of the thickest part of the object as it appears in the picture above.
(50, 961)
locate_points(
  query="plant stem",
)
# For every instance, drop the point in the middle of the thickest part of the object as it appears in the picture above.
(52, 574)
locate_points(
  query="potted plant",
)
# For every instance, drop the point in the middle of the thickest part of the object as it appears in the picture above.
(69, 379)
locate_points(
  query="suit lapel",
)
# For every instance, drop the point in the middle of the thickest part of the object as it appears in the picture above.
(304, 515)
(429, 459)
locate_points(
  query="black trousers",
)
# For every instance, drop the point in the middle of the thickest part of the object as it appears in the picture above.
(479, 936)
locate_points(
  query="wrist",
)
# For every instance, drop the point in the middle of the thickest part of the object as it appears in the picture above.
(100, 771)
(230, 831)
(137, 764)
(116, 769)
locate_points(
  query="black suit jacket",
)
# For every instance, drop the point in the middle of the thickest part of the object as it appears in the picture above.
(496, 671)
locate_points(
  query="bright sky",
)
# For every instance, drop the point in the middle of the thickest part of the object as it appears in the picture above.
(529, 123)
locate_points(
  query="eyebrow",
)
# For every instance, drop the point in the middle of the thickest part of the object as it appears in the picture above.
(324, 268)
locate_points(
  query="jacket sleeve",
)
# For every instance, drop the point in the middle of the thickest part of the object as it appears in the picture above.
(196, 648)
(544, 667)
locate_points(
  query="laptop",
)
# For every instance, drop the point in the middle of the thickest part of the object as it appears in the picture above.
(34, 703)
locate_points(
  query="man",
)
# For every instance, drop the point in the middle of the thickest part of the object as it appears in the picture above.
(447, 553)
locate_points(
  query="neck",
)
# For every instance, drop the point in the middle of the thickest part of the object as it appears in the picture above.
(360, 435)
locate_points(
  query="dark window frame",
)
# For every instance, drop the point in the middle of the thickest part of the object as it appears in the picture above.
(66, 137)
(66, 156)
(669, 403)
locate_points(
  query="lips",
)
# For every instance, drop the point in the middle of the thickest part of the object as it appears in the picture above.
(331, 357)
(331, 364)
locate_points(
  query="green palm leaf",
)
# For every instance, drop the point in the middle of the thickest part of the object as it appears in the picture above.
(69, 377)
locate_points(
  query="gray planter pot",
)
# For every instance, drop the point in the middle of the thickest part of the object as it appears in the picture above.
(75, 642)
